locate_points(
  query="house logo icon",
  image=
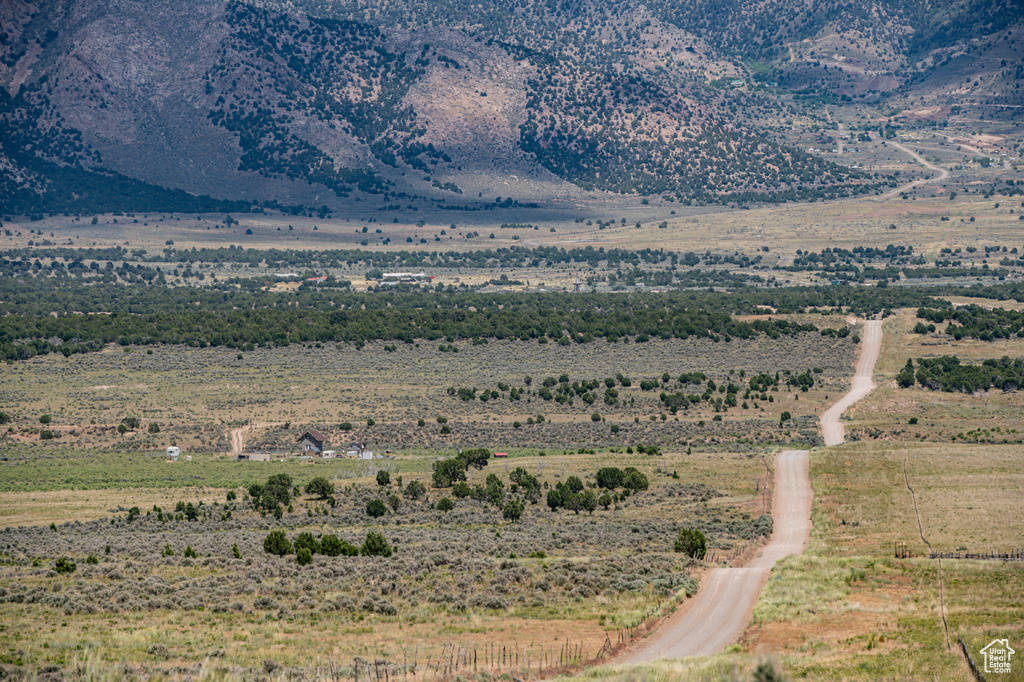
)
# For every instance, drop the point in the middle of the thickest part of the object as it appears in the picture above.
(997, 656)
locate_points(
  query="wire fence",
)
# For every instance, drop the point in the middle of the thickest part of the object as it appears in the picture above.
(970, 661)
(901, 551)
(515, 660)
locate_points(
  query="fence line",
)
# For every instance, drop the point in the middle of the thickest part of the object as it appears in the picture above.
(901, 551)
(970, 661)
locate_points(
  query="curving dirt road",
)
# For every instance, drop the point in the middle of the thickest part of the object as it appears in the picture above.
(942, 173)
(720, 612)
(238, 435)
(831, 427)
(238, 440)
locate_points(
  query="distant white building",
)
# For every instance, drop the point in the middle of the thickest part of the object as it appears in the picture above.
(173, 453)
(358, 451)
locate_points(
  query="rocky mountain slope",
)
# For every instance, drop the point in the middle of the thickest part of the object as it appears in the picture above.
(219, 104)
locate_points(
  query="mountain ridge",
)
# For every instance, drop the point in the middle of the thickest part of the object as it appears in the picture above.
(318, 104)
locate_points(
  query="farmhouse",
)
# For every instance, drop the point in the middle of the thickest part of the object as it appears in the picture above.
(312, 442)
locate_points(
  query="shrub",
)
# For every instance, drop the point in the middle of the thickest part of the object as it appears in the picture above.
(383, 478)
(277, 543)
(609, 478)
(45, 419)
(375, 545)
(634, 480)
(595, 417)
(376, 508)
(46, 434)
(445, 504)
(513, 510)
(153, 427)
(461, 490)
(303, 557)
(332, 545)
(762, 526)
(320, 487)
(307, 541)
(475, 457)
(190, 553)
(232, 496)
(235, 551)
(65, 566)
(415, 490)
(448, 471)
(692, 543)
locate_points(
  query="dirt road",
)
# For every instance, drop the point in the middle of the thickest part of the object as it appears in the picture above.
(238, 440)
(720, 612)
(238, 435)
(942, 173)
(831, 427)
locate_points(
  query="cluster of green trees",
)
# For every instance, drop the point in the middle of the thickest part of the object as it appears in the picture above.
(629, 478)
(230, 316)
(573, 495)
(976, 322)
(447, 472)
(306, 545)
(947, 374)
(272, 495)
(560, 390)
(758, 389)
(528, 318)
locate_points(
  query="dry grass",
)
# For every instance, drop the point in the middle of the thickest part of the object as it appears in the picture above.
(122, 630)
(195, 393)
(62, 506)
(848, 609)
(786, 228)
(994, 415)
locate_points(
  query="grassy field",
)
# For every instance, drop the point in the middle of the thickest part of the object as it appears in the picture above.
(196, 396)
(992, 416)
(465, 576)
(848, 609)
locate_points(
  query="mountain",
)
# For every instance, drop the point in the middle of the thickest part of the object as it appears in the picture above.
(214, 105)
